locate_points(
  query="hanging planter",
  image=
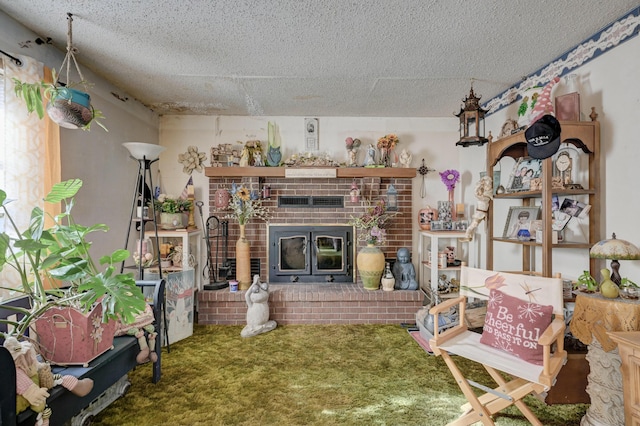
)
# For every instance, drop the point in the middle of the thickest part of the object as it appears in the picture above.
(67, 107)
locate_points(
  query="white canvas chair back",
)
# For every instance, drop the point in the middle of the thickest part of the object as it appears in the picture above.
(526, 377)
(531, 288)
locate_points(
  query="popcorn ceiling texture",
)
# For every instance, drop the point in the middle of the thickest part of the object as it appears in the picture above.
(376, 58)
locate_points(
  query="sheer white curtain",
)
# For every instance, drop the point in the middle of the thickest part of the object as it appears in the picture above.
(26, 149)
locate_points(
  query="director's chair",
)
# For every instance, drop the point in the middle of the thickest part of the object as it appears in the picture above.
(532, 294)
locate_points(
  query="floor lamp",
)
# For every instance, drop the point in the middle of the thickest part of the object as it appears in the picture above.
(145, 154)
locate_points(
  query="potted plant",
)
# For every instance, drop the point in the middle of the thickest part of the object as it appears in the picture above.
(586, 283)
(43, 257)
(68, 107)
(171, 210)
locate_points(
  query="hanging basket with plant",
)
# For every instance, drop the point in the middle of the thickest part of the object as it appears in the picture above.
(67, 106)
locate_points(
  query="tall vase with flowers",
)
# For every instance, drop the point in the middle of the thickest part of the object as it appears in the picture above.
(450, 178)
(386, 145)
(245, 205)
(371, 228)
(171, 210)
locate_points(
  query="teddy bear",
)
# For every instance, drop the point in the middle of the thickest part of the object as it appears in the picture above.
(142, 324)
(34, 379)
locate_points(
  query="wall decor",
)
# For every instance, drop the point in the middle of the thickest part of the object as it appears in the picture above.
(311, 142)
(568, 107)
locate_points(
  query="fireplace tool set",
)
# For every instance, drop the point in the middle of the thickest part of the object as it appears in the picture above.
(218, 230)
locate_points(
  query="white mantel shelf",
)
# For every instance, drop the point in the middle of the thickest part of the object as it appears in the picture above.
(341, 172)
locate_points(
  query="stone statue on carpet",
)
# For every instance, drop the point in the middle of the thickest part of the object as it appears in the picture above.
(404, 272)
(257, 298)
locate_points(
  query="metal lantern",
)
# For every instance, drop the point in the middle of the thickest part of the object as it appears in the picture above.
(392, 198)
(471, 117)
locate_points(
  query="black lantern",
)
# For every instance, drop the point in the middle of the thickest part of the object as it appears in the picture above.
(471, 122)
(392, 198)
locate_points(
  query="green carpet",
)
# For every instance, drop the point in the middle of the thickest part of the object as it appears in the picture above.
(305, 375)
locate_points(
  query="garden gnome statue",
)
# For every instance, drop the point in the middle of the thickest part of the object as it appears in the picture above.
(257, 298)
(403, 271)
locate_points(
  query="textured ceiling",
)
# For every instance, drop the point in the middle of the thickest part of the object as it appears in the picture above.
(379, 58)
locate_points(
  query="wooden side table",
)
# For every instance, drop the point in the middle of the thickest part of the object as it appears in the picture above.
(593, 318)
(629, 348)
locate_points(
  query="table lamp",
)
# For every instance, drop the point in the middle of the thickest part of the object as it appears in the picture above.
(615, 250)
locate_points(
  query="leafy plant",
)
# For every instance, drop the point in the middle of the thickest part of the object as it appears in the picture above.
(60, 253)
(33, 94)
(626, 282)
(587, 281)
(170, 204)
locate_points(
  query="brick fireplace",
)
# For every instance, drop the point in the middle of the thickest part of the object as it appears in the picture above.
(322, 301)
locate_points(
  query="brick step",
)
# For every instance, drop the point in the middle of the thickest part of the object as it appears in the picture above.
(314, 304)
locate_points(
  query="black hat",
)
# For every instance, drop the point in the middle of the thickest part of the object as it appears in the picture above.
(543, 137)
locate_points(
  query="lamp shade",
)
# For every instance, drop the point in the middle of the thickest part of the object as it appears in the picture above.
(144, 151)
(615, 249)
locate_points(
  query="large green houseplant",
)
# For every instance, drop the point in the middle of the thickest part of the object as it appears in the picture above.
(60, 253)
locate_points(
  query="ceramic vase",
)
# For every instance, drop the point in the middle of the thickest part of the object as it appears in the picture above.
(608, 288)
(170, 220)
(243, 260)
(388, 281)
(370, 263)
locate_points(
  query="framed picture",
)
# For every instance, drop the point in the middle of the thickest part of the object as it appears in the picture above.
(520, 217)
(572, 207)
(311, 134)
(560, 220)
(523, 172)
(568, 107)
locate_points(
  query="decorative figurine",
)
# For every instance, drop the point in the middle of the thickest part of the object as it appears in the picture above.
(405, 159)
(257, 298)
(404, 272)
(484, 194)
(370, 159)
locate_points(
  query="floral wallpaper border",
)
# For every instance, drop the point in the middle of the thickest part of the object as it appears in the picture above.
(619, 31)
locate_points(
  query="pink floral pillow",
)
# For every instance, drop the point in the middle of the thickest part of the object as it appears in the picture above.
(515, 325)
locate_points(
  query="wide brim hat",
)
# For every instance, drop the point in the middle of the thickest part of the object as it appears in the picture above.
(543, 137)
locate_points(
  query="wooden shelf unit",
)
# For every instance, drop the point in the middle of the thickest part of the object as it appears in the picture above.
(585, 137)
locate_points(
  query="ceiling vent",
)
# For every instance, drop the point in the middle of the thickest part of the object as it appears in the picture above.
(311, 202)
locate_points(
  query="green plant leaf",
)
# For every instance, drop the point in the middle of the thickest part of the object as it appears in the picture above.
(63, 190)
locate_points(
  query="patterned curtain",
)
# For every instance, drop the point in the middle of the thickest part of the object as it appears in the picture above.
(29, 150)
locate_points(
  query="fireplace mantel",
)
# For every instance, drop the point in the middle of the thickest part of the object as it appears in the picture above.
(341, 172)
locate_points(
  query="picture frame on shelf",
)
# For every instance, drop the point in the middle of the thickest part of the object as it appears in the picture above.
(560, 220)
(574, 208)
(525, 170)
(520, 218)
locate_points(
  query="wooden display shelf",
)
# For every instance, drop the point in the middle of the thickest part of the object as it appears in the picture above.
(341, 172)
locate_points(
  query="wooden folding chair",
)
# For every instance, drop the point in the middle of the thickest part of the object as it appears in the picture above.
(524, 377)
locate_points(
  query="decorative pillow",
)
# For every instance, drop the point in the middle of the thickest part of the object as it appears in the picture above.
(515, 325)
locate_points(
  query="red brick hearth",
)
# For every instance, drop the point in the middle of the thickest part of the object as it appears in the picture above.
(314, 304)
(309, 303)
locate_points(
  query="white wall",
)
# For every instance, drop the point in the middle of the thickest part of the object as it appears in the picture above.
(430, 138)
(97, 157)
(609, 82)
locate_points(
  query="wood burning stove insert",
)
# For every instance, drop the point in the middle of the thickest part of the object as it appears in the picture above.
(311, 254)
